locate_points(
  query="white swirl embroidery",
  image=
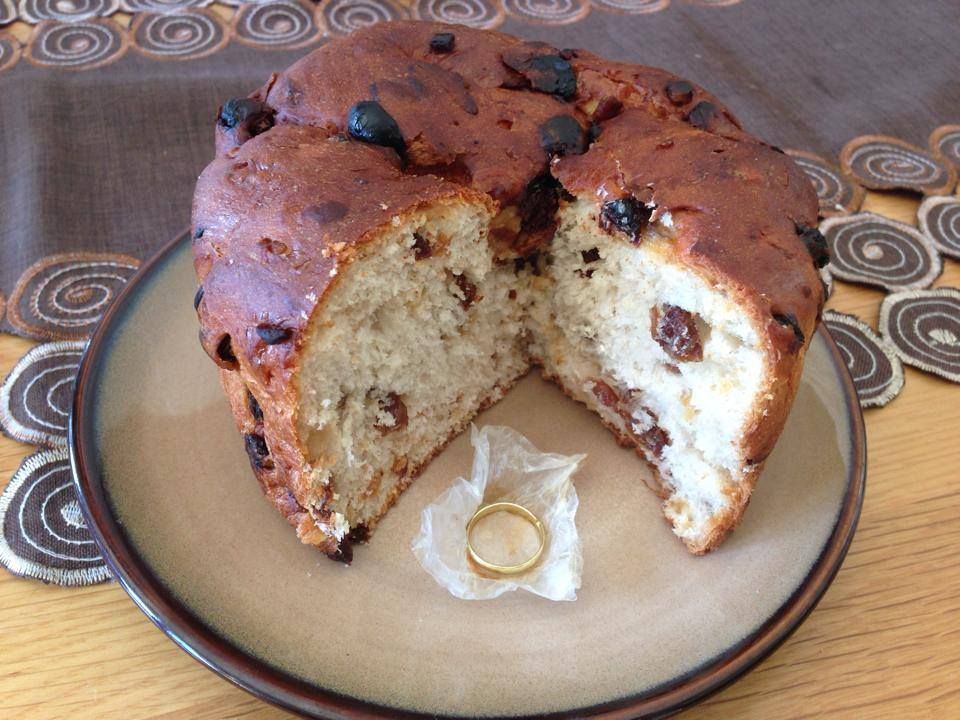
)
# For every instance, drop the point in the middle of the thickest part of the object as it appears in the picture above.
(484, 14)
(277, 24)
(548, 12)
(345, 16)
(939, 219)
(923, 326)
(872, 249)
(632, 7)
(182, 37)
(77, 45)
(35, 11)
(63, 296)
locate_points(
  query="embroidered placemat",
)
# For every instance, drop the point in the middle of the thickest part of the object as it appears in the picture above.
(107, 110)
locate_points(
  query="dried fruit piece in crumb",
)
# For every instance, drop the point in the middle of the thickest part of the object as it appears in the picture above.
(421, 247)
(675, 330)
(392, 413)
(468, 289)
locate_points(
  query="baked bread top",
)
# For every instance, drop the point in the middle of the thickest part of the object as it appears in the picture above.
(474, 111)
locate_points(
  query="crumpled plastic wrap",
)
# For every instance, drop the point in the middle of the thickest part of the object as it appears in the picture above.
(506, 467)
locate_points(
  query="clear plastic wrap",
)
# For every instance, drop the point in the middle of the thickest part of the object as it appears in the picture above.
(506, 467)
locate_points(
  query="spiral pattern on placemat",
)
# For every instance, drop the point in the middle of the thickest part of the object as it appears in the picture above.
(77, 46)
(35, 11)
(876, 370)
(484, 14)
(162, 6)
(837, 193)
(345, 16)
(886, 163)
(548, 12)
(178, 37)
(9, 51)
(946, 141)
(875, 250)
(8, 13)
(62, 297)
(282, 24)
(43, 533)
(924, 328)
(939, 219)
(632, 7)
(35, 397)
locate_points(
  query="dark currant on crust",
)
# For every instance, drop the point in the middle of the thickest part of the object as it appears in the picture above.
(563, 135)
(815, 243)
(254, 407)
(442, 43)
(790, 320)
(550, 74)
(628, 215)
(256, 117)
(324, 212)
(539, 203)
(702, 115)
(679, 92)
(368, 122)
(225, 351)
(257, 451)
(607, 109)
(274, 334)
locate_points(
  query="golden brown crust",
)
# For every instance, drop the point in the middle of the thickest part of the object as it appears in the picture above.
(291, 198)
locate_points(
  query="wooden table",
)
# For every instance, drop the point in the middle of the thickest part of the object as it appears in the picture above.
(884, 642)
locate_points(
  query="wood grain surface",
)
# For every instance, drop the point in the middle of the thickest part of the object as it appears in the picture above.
(883, 643)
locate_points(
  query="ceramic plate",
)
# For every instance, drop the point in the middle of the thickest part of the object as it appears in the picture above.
(174, 506)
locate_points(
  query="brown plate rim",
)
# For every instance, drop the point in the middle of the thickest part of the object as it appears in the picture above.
(291, 693)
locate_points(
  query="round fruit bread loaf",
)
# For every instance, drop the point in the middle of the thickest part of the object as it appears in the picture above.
(396, 228)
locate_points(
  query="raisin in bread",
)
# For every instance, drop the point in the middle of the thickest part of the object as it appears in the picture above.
(400, 225)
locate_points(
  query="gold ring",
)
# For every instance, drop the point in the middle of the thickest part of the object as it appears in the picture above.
(514, 509)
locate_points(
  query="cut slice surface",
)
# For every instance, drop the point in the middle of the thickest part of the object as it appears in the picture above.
(416, 336)
(670, 361)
